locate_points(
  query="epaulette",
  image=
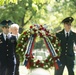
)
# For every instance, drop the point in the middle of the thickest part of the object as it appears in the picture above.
(58, 31)
(0, 33)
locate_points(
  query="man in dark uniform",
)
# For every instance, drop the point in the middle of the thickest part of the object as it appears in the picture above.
(7, 49)
(67, 38)
(14, 30)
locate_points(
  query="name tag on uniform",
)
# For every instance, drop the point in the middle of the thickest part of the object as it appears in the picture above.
(12, 41)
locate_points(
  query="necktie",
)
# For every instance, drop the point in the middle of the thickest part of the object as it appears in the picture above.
(67, 36)
(6, 38)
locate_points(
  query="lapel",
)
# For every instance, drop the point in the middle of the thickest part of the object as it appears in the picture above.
(2, 37)
(70, 35)
(2, 40)
(63, 35)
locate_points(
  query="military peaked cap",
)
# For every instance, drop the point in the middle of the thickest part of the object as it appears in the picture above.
(6, 23)
(68, 20)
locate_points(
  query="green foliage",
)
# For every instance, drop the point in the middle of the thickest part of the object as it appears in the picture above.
(29, 12)
(22, 11)
(26, 12)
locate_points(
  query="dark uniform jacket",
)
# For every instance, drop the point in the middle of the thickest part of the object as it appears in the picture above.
(67, 52)
(7, 50)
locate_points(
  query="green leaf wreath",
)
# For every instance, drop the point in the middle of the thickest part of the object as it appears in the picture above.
(41, 32)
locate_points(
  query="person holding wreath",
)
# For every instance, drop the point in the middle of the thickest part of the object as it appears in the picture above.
(67, 38)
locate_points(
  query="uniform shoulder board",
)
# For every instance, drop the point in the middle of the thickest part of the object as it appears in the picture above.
(0, 34)
(58, 31)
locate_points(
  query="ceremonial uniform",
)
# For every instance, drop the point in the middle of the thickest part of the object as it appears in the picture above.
(67, 53)
(14, 29)
(7, 51)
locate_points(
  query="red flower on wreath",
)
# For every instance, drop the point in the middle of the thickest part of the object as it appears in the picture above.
(40, 34)
(24, 33)
(59, 44)
(26, 55)
(41, 64)
(19, 45)
(31, 26)
(46, 60)
(38, 61)
(56, 51)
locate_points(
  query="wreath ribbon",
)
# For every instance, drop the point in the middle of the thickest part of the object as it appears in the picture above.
(29, 49)
(52, 52)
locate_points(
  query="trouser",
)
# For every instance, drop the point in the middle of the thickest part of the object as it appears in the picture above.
(17, 65)
(70, 69)
(6, 70)
(17, 69)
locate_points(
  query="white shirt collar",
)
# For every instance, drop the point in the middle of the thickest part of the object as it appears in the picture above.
(4, 35)
(66, 32)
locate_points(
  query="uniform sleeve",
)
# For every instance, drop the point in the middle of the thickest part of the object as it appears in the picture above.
(57, 35)
(75, 38)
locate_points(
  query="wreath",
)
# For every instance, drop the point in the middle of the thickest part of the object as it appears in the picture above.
(24, 47)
